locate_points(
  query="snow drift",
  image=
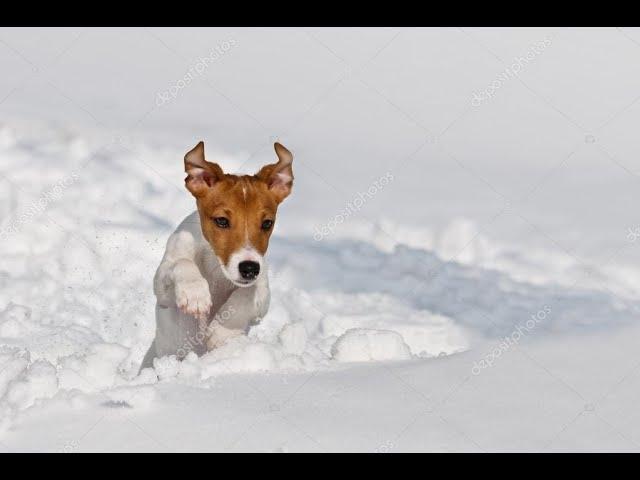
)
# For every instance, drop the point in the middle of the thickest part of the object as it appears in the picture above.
(81, 241)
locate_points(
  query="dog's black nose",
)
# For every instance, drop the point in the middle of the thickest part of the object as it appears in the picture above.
(249, 270)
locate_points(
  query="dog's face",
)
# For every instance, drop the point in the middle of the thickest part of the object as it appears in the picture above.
(238, 213)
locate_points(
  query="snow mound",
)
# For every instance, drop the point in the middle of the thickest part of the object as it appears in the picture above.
(363, 345)
(38, 381)
(96, 368)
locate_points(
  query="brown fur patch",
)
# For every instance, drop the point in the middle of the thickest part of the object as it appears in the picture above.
(246, 202)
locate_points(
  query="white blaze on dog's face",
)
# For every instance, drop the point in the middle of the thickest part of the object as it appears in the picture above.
(238, 212)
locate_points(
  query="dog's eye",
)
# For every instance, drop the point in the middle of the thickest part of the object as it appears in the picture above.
(222, 222)
(267, 224)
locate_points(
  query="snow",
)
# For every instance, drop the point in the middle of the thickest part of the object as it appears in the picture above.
(363, 345)
(445, 277)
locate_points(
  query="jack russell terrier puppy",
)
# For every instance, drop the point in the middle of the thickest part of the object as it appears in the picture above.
(212, 282)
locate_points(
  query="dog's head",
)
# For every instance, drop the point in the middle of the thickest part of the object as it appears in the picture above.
(238, 212)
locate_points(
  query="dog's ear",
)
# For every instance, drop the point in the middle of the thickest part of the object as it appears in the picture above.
(279, 176)
(201, 175)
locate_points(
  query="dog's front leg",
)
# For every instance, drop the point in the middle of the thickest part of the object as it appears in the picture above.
(192, 295)
(178, 281)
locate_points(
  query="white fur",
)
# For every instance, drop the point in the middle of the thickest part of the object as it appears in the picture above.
(231, 269)
(198, 306)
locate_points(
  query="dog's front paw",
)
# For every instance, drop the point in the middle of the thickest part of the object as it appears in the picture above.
(193, 298)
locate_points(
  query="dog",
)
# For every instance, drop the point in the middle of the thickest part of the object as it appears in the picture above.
(212, 282)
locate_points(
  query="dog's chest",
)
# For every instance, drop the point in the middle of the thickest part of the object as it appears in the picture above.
(219, 286)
